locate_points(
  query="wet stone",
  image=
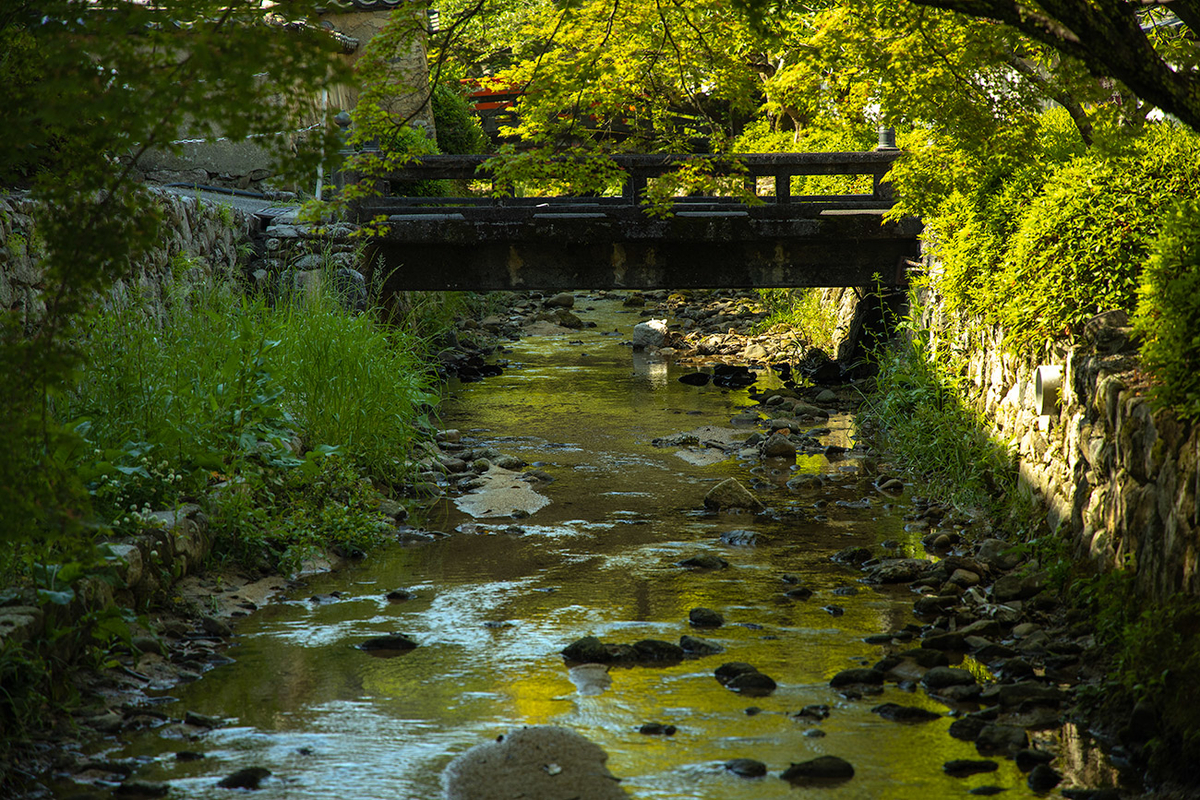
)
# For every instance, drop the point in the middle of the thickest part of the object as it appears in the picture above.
(657, 651)
(816, 713)
(657, 729)
(967, 728)
(857, 676)
(964, 767)
(695, 646)
(704, 562)
(705, 618)
(1001, 739)
(818, 770)
(388, 645)
(943, 677)
(899, 713)
(1043, 778)
(752, 684)
(953, 642)
(926, 658)
(248, 778)
(746, 767)
(1028, 759)
(799, 593)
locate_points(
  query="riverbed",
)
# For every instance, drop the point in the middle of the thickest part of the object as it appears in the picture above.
(495, 596)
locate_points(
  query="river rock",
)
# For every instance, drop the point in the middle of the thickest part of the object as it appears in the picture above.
(944, 677)
(1043, 778)
(899, 570)
(746, 767)
(1018, 587)
(705, 618)
(752, 684)
(538, 763)
(142, 789)
(651, 333)
(964, 767)
(657, 651)
(778, 445)
(858, 676)
(1000, 739)
(821, 769)
(248, 778)
(898, 713)
(998, 554)
(967, 728)
(695, 646)
(392, 644)
(853, 556)
(560, 300)
(657, 729)
(729, 493)
(695, 378)
(704, 562)
(587, 650)
(739, 538)
(952, 642)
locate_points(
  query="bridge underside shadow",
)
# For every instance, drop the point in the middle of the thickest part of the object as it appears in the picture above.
(553, 250)
(498, 241)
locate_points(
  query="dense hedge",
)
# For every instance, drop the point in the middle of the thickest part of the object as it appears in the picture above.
(1168, 315)
(1041, 237)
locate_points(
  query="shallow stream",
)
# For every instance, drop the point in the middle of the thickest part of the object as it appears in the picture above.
(498, 598)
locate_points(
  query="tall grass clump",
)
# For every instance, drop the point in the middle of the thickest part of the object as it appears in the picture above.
(916, 414)
(279, 418)
(349, 382)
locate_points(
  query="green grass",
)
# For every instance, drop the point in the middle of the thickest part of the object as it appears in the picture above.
(247, 407)
(802, 310)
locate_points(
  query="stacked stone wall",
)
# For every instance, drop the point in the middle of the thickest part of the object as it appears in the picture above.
(200, 244)
(1117, 476)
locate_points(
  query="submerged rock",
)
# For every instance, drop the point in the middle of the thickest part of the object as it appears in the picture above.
(248, 778)
(821, 769)
(695, 646)
(746, 767)
(384, 645)
(898, 713)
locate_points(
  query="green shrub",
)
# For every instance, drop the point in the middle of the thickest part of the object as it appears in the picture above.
(1168, 311)
(458, 129)
(803, 310)
(211, 405)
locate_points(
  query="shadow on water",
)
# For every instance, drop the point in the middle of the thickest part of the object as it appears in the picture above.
(493, 607)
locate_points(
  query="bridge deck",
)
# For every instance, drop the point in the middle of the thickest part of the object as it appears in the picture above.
(486, 243)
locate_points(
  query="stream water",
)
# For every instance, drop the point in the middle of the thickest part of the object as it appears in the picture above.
(497, 600)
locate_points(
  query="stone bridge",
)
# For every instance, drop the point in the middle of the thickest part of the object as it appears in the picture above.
(483, 243)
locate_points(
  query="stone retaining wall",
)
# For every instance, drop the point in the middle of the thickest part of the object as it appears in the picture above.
(200, 242)
(1120, 477)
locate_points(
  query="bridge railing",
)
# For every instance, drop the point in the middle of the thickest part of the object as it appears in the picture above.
(638, 170)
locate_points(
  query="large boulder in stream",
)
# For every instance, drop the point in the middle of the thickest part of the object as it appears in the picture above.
(731, 494)
(539, 763)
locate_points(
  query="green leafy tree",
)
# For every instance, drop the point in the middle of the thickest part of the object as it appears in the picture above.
(91, 87)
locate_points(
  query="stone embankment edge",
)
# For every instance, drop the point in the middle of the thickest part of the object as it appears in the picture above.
(1119, 478)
